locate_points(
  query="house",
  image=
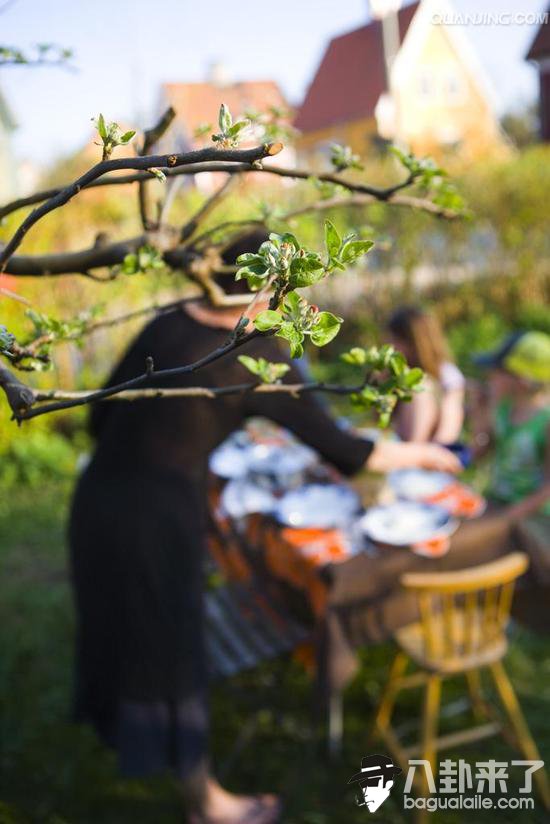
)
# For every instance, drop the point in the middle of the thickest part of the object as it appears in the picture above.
(430, 95)
(198, 104)
(8, 168)
(539, 53)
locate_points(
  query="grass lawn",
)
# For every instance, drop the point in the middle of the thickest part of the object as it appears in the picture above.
(54, 772)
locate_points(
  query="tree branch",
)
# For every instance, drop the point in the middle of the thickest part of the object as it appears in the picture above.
(207, 207)
(81, 262)
(21, 397)
(21, 352)
(150, 161)
(204, 392)
(24, 410)
(214, 166)
(150, 138)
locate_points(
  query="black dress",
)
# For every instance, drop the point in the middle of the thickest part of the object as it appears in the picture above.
(137, 534)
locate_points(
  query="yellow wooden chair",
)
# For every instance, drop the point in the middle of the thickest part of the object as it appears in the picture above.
(461, 631)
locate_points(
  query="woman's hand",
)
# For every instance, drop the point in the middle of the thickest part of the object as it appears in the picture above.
(389, 455)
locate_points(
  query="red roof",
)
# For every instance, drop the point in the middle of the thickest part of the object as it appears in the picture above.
(540, 47)
(351, 76)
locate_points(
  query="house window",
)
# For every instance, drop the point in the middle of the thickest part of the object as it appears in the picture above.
(453, 88)
(425, 86)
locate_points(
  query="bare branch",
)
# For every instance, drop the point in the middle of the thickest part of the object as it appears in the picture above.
(150, 138)
(19, 396)
(204, 392)
(14, 296)
(191, 226)
(229, 168)
(62, 399)
(147, 162)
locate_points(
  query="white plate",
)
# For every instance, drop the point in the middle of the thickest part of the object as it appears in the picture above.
(406, 522)
(240, 498)
(229, 460)
(272, 459)
(321, 506)
(418, 484)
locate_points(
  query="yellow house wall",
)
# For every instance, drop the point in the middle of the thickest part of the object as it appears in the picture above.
(426, 122)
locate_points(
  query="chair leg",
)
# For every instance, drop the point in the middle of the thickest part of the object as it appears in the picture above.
(521, 730)
(385, 708)
(430, 719)
(473, 678)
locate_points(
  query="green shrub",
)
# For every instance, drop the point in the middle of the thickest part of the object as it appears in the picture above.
(37, 457)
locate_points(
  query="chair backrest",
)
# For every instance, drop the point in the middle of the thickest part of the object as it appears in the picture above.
(464, 612)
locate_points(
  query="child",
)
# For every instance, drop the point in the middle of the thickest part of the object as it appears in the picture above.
(516, 420)
(436, 413)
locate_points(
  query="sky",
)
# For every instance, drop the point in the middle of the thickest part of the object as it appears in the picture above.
(124, 50)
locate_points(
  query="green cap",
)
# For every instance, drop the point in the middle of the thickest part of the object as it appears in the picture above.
(530, 357)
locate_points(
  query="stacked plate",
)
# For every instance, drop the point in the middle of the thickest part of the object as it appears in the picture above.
(277, 465)
(418, 484)
(407, 522)
(318, 506)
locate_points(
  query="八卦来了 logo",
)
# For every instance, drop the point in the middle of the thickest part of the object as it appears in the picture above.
(375, 781)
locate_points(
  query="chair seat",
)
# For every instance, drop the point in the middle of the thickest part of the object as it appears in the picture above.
(473, 646)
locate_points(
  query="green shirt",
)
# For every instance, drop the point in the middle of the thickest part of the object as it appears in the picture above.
(520, 448)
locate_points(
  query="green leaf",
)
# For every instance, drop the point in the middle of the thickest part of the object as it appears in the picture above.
(354, 249)
(255, 269)
(384, 418)
(254, 281)
(159, 174)
(6, 339)
(413, 377)
(268, 319)
(294, 336)
(130, 264)
(307, 275)
(289, 238)
(250, 363)
(332, 239)
(356, 356)
(101, 128)
(326, 328)
(293, 304)
(127, 136)
(277, 370)
(238, 127)
(342, 158)
(398, 363)
(256, 263)
(224, 119)
(267, 371)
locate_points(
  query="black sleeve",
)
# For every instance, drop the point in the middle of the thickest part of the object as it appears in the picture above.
(306, 416)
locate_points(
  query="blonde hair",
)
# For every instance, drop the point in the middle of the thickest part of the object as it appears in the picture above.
(424, 336)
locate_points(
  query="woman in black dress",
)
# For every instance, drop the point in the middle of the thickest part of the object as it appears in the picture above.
(137, 535)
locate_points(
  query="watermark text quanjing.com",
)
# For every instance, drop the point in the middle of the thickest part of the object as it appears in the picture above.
(490, 18)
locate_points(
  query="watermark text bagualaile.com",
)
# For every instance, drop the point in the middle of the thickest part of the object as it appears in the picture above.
(490, 18)
(463, 786)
